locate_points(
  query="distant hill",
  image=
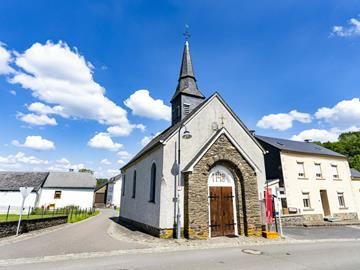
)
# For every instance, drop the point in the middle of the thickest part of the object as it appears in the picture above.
(348, 145)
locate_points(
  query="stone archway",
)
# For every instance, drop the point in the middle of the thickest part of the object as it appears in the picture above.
(196, 214)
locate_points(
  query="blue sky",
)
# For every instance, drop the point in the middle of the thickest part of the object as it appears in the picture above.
(71, 71)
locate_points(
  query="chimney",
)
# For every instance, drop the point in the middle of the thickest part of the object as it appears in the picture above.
(307, 140)
(252, 132)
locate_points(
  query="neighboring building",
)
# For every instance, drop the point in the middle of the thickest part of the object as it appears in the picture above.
(113, 195)
(317, 180)
(355, 177)
(68, 188)
(100, 195)
(222, 171)
(10, 183)
(51, 189)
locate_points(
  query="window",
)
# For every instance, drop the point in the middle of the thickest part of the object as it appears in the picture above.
(334, 171)
(318, 170)
(306, 200)
(57, 194)
(186, 109)
(341, 199)
(153, 183)
(301, 169)
(123, 185)
(134, 186)
(178, 111)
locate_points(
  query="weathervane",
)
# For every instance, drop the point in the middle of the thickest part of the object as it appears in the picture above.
(186, 34)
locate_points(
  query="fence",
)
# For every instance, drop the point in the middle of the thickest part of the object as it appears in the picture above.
(72, 212)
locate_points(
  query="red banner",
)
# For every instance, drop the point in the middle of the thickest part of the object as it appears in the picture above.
(269, 206)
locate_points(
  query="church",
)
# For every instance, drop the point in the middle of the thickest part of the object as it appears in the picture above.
(202, 177)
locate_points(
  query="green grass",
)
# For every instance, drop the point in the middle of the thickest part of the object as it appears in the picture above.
(77, 218)
(13, 217)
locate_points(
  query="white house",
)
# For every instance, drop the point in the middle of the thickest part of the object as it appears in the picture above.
(62, 189)
(317, 180)
(10, 195)
(113, 195)
(355, 182)
(206, 170)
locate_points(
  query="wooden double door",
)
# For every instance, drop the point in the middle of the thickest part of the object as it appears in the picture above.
(221, 211)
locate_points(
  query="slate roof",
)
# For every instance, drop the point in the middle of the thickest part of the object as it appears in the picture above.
(12, 181)
(70, 180)
(187, 81)
(355, 173)
(170, 130)
(297, 146)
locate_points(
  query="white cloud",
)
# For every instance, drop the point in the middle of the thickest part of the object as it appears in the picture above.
(352, 29)
(43, 109)
(60, 76)
(36, 119)
(105, 161)
(144, 141)
(124, 154)
(121, 162)
(64, 164)
(142, 104)
(103, 140)
(35, 143)
(124, 131)
(13, 92)
(321, 135)
(21, 158)
(283, 121)
(344, 113)
(5, 59)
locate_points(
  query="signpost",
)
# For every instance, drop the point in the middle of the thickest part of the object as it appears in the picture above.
(25, 191)
(280, 193)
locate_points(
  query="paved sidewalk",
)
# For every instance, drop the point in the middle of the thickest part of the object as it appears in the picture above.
(317, 233)
(86, 236)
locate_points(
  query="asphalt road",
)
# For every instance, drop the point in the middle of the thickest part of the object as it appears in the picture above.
(333, 255)
(86, 236)
(314, 233)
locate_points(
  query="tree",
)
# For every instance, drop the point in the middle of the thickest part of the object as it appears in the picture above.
(100, 181)
(84, 170)
(348, 145)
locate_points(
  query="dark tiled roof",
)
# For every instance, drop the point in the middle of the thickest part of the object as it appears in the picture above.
(70, 180)
(355, 173)
(12, 181)
(297, 146)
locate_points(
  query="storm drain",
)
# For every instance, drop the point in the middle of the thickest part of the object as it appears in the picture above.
(252, 251)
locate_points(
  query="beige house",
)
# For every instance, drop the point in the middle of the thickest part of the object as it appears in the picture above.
(317, 181)
(355, 182)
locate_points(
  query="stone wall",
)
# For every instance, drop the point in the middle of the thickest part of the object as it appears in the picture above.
(346, 216)
(157, 232)
(300, 220)
(196, 218)
(8, 228)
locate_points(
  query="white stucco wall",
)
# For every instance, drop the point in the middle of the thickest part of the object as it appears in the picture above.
(14, 199)
(116, 198)
(77, 197)
(140, 209)
(200, 127)
(295, 186)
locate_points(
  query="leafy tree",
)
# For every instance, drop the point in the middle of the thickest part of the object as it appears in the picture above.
(100, 181)
(84, 170)
(348, 145)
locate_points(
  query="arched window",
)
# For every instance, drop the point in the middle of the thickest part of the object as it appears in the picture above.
(134, 186)
(153, 183)
(123, 185)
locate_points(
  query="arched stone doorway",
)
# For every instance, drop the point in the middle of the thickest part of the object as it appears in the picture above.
(222, 205)
(196, 193)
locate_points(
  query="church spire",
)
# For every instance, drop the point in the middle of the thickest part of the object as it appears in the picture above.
(187, 95)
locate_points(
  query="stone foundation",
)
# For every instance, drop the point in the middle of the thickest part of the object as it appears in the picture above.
(299, 220)
(145, 228)
(196, 219)
(346, 216)
(8, 228)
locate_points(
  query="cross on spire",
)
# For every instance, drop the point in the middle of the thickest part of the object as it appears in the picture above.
(187, 34)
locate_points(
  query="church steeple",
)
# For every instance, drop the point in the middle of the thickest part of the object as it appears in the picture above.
(187, 95)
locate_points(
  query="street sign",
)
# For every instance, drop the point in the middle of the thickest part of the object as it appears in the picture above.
(25, 191)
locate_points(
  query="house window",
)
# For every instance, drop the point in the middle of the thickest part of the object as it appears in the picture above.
(306, 200)
(57, 194)
(178, 111)
(341, 199)
(186, 109)
(153, 183)
(334, 171)
(318, 170)
(301, 169)
(134, 186)
(123, 185)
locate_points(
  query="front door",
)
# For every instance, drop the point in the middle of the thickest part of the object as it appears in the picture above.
(221, 211)
(325, 202)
